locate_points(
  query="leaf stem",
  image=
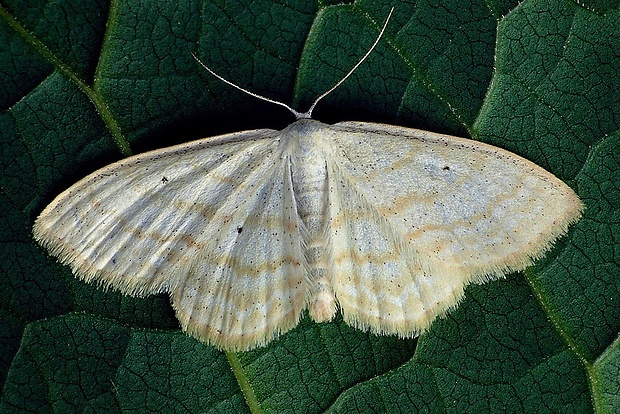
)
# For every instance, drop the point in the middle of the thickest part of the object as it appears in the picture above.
(95, 97)
(244, 384)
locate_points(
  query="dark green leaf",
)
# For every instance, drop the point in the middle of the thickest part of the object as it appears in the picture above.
(86, 83)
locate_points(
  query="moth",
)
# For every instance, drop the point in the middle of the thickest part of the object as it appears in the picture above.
(247, 230)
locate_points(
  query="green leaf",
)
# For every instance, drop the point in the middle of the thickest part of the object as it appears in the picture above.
(85, 83)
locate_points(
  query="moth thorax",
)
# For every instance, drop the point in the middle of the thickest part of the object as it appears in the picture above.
(309, 176)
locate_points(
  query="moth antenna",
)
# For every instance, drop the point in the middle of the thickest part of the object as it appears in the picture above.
(308, 113)
(297, 114)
